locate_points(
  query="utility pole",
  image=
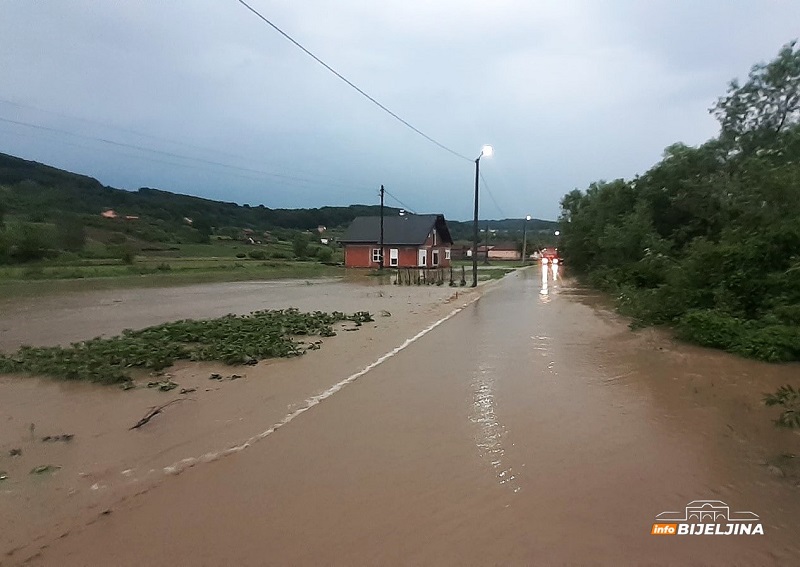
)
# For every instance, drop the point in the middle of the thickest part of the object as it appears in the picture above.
(475, 226)
(380, 265)
(525, 240)
(486, 254)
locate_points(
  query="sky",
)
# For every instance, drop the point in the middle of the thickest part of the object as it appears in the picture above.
(202, 97)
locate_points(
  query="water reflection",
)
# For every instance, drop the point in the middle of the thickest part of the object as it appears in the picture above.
(490, 434)
(546, 290)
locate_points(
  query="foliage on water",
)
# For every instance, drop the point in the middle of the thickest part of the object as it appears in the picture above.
(233, 339)
(789, 399)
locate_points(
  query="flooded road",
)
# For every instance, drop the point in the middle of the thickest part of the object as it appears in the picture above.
(531, 428)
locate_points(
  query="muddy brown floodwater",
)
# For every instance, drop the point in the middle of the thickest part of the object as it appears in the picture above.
(531, 427)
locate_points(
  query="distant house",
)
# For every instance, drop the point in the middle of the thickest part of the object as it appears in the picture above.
(409, 241)
(504, 251)
(499, 251)
(109, 214)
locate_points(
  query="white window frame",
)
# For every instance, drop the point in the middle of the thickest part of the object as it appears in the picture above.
(446, 253)
(434, 237)
(423, 257)
(434, 258)
(376, 255)
(394, 257)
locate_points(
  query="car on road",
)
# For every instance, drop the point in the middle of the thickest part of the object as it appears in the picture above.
(550, 256)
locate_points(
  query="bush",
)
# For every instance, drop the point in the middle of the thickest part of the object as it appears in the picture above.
(711, 328)
(26, 241)
(324, 254)
(127, 255)
(71, 233)
(300, 245)
(117, 238)
(241, 255)
(774, 343)
(257, 254)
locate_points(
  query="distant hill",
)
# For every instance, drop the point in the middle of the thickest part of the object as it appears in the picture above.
(38, 192)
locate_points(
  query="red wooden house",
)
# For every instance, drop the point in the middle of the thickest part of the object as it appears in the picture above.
(409, 241)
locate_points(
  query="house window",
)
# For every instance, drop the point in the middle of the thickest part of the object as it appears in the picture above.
(446, 253)
(435, 258)
(376, 255)
(394, 257)
(422, 257)
(434, 237)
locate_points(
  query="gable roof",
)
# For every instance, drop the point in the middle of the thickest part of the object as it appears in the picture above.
(408, 230)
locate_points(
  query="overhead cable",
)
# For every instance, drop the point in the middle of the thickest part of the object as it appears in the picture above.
(171, 154)
(350, 83)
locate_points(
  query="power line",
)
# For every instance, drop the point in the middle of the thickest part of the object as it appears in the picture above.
(489, 191)
(173, 155)
(144, 135)
(339, 75)
(173, 163)
(114, 127)
(406, 207)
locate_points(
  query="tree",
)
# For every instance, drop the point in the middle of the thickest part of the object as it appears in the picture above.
(203, 226)
(709, 238)
(300, 245)
(27, 241)
(71, 232)
(766, 104)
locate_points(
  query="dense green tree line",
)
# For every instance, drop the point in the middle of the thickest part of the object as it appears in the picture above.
(709, 238)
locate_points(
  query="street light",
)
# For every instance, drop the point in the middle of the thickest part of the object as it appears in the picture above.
(485, 151)
(524, 238)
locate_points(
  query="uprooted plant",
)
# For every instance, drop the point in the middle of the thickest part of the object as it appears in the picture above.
(788, 398)
(233, 339)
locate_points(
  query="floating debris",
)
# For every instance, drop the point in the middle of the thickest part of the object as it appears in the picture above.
(15, 453)
(42, 469)
(66, 437)
(154, 412)
(215, 376)
(188, 390)
(165, 386)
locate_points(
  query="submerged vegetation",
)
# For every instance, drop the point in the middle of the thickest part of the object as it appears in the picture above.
(788, 398)
(233, 339)
(708, 240)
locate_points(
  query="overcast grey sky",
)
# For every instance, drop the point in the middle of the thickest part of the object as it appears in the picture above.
(567, 92)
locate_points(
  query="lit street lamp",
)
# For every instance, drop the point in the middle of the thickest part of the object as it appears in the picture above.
(485, 151)
(524, 238)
